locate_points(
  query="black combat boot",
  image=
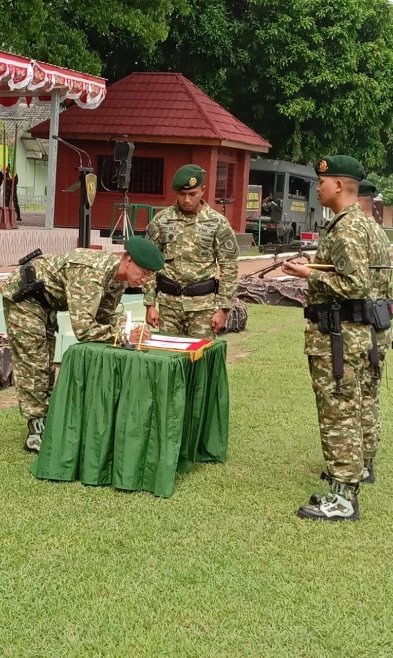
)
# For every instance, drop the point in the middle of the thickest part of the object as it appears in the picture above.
(36, 430)
(368, 473)
(339, 505)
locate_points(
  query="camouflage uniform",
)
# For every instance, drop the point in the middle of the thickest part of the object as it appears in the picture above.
(380, 288)
(349, 244)
(193, 247)
(82, 282)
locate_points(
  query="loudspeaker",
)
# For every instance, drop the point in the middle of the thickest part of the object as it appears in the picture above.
(123, 151)
(123, 154)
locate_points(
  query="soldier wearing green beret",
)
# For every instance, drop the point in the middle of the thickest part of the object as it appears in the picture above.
(89, 284)
(196, 242)
(339, 334)
(381, 288)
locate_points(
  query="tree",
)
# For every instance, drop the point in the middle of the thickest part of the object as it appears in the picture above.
(312, 77)
(62, 31)
(384, 186)
(318, 76)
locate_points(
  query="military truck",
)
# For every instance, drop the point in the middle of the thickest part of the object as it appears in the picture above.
(289, 201)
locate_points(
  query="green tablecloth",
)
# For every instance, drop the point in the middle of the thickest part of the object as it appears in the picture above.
(132, 419)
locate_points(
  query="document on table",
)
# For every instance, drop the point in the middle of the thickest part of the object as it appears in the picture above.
(170, 342)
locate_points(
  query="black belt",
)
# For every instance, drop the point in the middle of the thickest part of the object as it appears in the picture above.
(351, 310)
(192, 290)
(377, 313)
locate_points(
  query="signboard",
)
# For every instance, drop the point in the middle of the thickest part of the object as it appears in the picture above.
(298, 206)
(254, 201)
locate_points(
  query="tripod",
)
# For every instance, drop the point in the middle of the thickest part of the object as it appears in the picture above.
(123, 220)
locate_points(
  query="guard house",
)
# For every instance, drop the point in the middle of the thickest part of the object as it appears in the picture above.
(171, 122)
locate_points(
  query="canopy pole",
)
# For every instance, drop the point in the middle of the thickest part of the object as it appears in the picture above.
(52, 159)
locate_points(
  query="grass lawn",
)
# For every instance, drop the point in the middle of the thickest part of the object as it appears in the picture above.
(223, 569)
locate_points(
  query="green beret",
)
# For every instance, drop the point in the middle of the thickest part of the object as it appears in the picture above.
(188, 177)
(367, 188)
(144, 253)
(340, 166)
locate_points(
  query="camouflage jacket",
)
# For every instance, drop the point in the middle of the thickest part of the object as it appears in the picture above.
(194, 247)
(351, 245)
(381, 279)
(83, 282)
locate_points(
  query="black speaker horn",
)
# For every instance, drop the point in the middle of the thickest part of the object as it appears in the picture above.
(123, 155)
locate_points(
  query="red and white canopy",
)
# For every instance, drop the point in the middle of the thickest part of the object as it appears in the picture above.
(21, 77)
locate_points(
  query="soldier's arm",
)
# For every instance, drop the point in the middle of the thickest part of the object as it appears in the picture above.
(227, 252)
(351, 278)
(149, 288)
(84, 294)
(109, 302)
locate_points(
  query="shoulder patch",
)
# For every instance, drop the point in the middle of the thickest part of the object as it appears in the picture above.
(341, 259)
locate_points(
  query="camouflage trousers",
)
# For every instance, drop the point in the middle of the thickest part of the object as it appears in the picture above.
(340, 414)
(371, 423)
(186, 323)
(31, 330)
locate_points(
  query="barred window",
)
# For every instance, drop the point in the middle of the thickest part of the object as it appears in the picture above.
(147, 175)
(225, 180)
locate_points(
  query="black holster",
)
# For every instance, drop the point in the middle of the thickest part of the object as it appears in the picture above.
(29, 286)
(337, 344)
(373, 354)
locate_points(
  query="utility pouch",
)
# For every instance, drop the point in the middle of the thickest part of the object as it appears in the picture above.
(381, 315)
(367, 311)
(324, 322)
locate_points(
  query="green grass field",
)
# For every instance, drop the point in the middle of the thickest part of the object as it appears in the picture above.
(223, 569)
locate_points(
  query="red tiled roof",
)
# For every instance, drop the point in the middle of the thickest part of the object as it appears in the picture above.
(158, 105)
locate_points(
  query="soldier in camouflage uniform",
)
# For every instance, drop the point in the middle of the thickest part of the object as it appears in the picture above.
(381, 288)
(89, 284)
(194, 239)
(370, 385)
(338, 333)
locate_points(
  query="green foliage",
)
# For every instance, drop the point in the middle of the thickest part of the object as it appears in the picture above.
(384, 186)
(62, 32)
(312, 77)
(321, 76)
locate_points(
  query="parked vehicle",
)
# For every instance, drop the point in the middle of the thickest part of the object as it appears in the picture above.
(289, 204)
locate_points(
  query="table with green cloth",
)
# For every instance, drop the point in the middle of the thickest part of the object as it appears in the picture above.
(132, 419)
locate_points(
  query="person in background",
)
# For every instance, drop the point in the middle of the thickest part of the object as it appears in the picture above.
(89, 284)
(196, 241)
(11, 190)
(381, 289)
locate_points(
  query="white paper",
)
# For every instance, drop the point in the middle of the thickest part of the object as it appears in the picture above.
(167, 345)
(174, 339)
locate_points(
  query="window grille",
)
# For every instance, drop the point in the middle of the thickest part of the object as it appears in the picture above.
(147, 175)
(225, 180)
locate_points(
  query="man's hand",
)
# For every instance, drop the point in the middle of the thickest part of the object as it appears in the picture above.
(295, 268)
(152, 316)
(135, 334)
(218, 320)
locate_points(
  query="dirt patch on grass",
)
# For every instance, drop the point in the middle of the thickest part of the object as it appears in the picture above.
(8, 398)
(236, 352)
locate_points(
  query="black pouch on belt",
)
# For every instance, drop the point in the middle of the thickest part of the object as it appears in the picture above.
(381, 315)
